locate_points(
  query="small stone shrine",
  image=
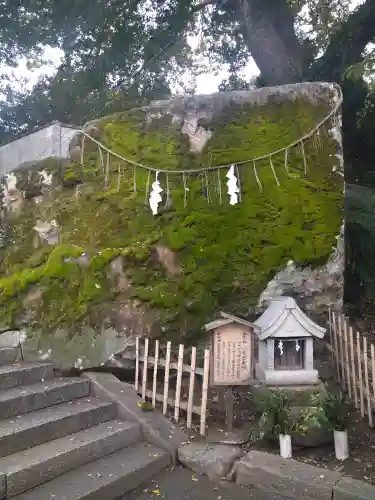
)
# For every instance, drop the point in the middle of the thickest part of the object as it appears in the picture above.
(286, 345)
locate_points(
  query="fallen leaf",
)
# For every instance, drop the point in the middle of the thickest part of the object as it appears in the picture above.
(156, 492)
(194, 478)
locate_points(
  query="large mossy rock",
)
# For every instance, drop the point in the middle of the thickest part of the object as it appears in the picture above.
(117, 268)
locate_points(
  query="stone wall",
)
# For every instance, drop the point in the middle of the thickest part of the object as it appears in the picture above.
(50, 141)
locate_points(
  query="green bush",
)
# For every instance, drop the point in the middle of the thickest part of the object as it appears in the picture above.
(277, 417)
(333, 411)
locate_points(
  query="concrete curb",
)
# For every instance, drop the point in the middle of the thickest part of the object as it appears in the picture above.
(155, 428)
(351, 489)
(285, 477)
(3, 485)
(295, 480)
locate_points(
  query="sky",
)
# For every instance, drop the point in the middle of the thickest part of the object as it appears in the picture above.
(208, 82)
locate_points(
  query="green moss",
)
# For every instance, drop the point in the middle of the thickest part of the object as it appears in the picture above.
(72, 175)
(227, 254)
(69, 289)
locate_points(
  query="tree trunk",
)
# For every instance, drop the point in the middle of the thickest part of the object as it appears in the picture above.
(268, 30)
(269, 33)
(347, 44)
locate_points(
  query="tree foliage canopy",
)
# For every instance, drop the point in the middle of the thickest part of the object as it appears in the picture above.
(143, 45)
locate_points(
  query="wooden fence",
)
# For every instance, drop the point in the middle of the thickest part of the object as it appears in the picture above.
(155, 356)
(354, 362)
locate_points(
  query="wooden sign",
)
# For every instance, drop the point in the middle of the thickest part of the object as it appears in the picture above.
(231, 356)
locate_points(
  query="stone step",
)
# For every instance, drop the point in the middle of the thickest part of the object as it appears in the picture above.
(37, 427)
(28, 469)
(8, 355)
(24, 373)
(108, 478)
(19, 400)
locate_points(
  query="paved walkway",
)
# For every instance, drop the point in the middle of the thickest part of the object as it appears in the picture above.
(177, 484)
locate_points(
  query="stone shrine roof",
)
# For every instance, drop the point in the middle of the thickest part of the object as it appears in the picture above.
(283, 318)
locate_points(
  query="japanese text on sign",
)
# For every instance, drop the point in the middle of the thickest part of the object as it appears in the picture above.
(232, 357)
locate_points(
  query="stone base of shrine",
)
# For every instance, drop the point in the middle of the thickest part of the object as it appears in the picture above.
(287, 377)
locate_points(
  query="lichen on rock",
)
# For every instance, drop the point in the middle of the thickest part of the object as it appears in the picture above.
(116, 266)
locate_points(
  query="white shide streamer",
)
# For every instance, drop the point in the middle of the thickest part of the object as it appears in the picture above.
(155, 195)
(280, 345)
(233, 188)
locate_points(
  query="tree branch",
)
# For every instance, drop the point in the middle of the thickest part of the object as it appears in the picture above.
(202, 5)
(347, 44)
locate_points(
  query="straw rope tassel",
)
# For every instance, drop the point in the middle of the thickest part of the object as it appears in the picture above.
(315, 141)
(168, 196)
(106, 178)
(257, 178)
(101, 159)
(304, 157)
(208, 194)
(118, 176)
(219, 186)
(239, 184)
(318, 140)
(82, 148)
(286, 159)
(273, 171)
(200, 177)
(185, 188)
(147, 187)
(286, 163)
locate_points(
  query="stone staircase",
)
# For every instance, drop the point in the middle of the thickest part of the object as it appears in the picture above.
(59, 442)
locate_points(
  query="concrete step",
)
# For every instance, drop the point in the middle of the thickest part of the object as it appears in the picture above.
(19, 400)
(9, 355)
(24, 373)
(108, 478)
(37, 427)
(27, 469)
